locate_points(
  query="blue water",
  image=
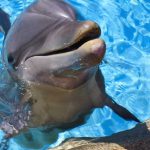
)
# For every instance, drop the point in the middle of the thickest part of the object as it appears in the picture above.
(125, 28)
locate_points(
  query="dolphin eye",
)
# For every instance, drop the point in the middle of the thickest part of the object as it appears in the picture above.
(10, 59)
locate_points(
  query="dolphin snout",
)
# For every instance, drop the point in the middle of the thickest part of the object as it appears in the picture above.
(70, 64)
(93, 50)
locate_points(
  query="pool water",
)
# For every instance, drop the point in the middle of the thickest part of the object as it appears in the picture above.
(126, 66)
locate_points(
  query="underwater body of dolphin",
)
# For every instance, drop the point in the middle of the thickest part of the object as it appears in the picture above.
(54, 58)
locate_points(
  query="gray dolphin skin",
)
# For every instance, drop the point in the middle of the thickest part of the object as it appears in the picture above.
(4, 22)
(54, 59)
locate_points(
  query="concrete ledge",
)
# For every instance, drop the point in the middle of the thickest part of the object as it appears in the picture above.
(137, 138)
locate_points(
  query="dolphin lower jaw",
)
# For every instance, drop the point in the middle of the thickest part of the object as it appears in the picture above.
(68, 80)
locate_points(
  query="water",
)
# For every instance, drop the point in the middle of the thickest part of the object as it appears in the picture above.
(126, 67)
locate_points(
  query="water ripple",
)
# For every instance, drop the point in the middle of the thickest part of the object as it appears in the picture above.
(126, 67)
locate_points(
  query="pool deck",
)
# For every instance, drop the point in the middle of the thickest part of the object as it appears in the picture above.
(137, 138)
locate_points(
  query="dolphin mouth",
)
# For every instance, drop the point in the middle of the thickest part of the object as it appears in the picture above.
(86, 37)
(75, 45)
(85, 32)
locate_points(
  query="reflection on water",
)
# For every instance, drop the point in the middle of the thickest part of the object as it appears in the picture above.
(126, 67)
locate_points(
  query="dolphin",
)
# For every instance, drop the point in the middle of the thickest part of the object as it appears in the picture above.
(54, 58)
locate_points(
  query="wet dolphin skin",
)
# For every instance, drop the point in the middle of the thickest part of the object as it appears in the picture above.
(54, 57)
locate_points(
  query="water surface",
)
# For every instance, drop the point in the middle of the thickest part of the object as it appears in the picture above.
(126, 66)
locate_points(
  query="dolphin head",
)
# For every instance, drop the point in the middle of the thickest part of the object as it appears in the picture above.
(47, 39)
